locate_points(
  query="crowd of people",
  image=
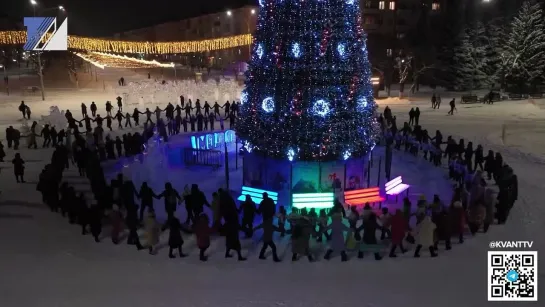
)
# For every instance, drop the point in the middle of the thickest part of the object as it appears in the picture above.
(474, 203)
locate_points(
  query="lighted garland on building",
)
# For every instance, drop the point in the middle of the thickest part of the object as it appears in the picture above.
(117, 46)
(308, 93)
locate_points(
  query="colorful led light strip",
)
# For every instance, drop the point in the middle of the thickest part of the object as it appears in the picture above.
(257, 194)
(362, 196)
(313, 200)
(393, 183)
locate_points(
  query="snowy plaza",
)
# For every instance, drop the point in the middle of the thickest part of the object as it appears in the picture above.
(185, 158)
(42, 253)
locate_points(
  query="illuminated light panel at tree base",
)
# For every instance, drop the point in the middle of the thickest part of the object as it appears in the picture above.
(313, 200)
(117, 46)
(257, 194)
(362, 196)
(212, 140)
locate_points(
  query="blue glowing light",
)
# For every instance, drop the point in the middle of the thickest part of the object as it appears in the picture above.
(248, 147)
(260, 51)
(321, 108)
(341, 49)
(296, 50)
(268, 104)
(291, 154)
(346, 155)
(349, 2)
(362, 103)
(262, 3)
(243, 97)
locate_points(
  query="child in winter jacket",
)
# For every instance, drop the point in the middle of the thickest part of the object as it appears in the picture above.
(175, 240)
(202, 232)
(268, 231)
(399, 229)
(385, 222)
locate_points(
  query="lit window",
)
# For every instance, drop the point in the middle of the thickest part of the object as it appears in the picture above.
(435, 6)
(381, 5)
(392, 5)
(389, 52)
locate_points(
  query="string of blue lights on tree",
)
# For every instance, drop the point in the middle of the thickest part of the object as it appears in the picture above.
(308, 93)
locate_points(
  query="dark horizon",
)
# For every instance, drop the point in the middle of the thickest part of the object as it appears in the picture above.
(90, 18)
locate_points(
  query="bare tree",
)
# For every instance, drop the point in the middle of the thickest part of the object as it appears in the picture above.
(403, 64)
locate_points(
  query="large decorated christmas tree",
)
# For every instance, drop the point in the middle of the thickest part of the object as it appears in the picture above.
(308, 95)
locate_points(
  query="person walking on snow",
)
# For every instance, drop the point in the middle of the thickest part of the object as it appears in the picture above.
(268, 230)
(152, 232)
(175, 240)
(452, 106)
(337, 237)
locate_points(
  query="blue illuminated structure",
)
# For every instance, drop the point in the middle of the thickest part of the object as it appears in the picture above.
(257, 194)
(213, 140)
(313, 200)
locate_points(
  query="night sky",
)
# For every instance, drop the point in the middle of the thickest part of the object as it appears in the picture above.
(106, 17)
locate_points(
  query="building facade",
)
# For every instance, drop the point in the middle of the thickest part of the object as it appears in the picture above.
(387, 23)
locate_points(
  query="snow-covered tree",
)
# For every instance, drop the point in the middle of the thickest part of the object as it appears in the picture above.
(495, 36)
(469, 69)
(523, 55)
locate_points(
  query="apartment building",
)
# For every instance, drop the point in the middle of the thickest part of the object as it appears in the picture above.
(387, 23)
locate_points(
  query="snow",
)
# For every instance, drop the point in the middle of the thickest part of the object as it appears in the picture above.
(45, 262)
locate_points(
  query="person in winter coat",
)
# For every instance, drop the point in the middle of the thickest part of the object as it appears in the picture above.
(83, 213)
(369, 242)
(19, 168)
(152, 231)
(489, 164)
(268, 230)
(282, 216)
(444, 228)
(399, 229)
(476, 215)
(458, 220)
(337, 237)
(186, 196)
(146, 196)
(411, 116)
(175, 240)
(232, 241)
(490, 204)
(116, 219)
(31, 142)
(95, 221)
(132, 224)
(267, 208)
(202, 231)
(171, 198)
(248, 209)
(424, 237)
(300, 238)
(216, 211)
(416, 116)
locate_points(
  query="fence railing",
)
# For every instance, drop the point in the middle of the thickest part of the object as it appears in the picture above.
(204, 157)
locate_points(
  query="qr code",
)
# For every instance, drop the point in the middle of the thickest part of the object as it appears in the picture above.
(512, 276)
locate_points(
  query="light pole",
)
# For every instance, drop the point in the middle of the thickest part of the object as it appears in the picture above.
(40, 74)
(5, 79)
(252, 13)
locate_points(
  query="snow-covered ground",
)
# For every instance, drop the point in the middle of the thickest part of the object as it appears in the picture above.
(45, 262)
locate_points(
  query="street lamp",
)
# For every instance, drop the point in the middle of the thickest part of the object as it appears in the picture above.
(253, 11)
(229, 13)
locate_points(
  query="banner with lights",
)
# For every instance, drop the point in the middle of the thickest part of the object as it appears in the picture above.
(124, 47)
(213, 140)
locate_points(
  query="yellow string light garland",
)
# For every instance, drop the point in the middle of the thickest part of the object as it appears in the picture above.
(104, 60)
(117, 46)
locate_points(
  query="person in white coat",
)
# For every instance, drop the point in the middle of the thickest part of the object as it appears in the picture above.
(424, 238)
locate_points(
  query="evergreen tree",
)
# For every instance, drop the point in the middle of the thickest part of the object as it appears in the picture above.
(495, 36)
(470, 59)
(523, 56)
(308, 94)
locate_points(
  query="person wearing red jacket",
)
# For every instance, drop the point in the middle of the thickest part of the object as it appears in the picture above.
(399, 229)
(458, 216)
(202, 232)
